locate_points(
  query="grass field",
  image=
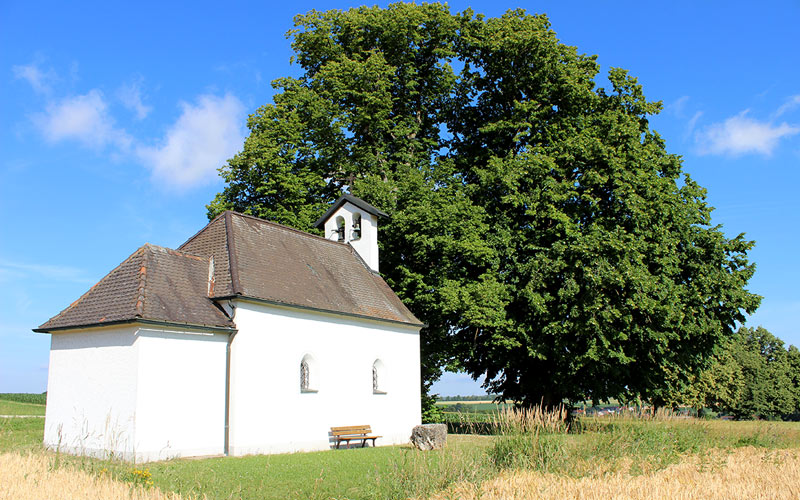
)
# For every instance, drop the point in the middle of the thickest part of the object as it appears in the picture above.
(16, 408)
(741, 474)
(532, 453)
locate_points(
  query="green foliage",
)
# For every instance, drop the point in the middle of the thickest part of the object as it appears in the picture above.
(23, 397)
(768, 376)
(431, 413)
(751, 375)
(539, 227)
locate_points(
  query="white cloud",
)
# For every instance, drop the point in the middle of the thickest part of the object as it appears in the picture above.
(38, 79)
(741, 134)
(83, 118)
(692, 123)
(51, 272)
(789, 105)
(678, 106)
(131, 97)
(198, 143)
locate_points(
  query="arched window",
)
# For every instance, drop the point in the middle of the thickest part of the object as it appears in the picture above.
(309, 374)
(340, 228)
(378, 377)
(304, 375)
(356, 226)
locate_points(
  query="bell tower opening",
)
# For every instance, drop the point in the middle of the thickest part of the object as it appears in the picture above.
(353, 221)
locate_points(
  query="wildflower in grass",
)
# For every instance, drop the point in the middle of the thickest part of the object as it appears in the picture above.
(142, 477)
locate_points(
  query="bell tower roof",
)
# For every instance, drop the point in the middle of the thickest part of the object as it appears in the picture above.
(358, 202)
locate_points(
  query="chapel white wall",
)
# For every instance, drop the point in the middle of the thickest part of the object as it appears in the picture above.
(270, 414)
(91, 392)
(136, 393)
(181, 393)
(367, 245)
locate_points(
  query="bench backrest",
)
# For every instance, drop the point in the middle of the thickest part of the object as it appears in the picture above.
(350, 430)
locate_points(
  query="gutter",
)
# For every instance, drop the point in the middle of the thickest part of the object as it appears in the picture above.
(173, 324)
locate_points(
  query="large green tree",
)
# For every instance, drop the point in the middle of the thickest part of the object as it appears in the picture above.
(539, 227)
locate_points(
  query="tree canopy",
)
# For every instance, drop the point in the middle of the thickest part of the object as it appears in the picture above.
(538, 225)
(752, 375)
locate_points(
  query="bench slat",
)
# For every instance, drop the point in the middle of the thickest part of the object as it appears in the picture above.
(351, 428)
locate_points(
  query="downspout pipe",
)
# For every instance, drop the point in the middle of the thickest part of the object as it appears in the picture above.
(226, 449)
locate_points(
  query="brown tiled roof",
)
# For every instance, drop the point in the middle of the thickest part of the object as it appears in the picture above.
(154, 284)
(267, 261)
(212, 241)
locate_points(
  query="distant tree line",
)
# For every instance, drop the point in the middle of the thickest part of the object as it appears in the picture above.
(484, 397)
(21, 397)
(752, 375)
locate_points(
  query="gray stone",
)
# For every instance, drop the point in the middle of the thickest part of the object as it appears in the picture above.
(429, 436)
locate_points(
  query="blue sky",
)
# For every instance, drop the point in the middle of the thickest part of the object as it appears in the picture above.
(113, 121)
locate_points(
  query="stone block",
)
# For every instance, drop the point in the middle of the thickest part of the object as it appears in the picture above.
(429, 436)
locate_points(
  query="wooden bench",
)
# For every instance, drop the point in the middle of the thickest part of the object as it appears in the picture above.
(353, 433)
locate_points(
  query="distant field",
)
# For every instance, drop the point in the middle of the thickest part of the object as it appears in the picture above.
(17, 408)
(449, 403)
(23, 397)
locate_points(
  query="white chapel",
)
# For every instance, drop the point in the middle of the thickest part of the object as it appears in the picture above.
(250, 338)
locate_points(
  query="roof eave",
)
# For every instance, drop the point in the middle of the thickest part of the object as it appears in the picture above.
(174, 324)
(321, 310)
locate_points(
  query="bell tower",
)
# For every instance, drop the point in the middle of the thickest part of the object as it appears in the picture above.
(354, 221)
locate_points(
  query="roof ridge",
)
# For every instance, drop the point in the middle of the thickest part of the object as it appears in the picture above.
(215, 219)
(233, 261)
(289, 228)
(87, 292)
(179, 253)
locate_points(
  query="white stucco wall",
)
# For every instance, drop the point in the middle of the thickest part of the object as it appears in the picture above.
(181, 393)
(367, 245)
(137, 393)
(270, 414)
(91, 392)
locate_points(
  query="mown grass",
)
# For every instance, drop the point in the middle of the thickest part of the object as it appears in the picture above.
(359, 473)
(527, 443)
(17, 408)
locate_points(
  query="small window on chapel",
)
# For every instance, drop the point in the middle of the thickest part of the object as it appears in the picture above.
(304, 375)
(308, 374)
(378, 377)
(356, 226)
(340, 228)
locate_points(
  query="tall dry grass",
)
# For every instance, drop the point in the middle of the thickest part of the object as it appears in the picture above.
(533, 420)
(33, 476)
(743, 474)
